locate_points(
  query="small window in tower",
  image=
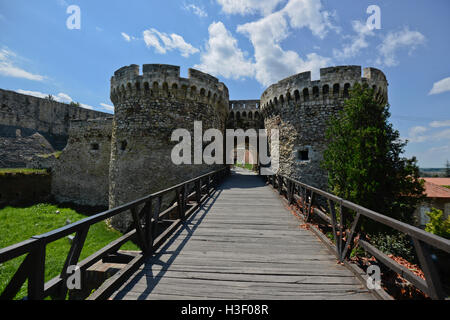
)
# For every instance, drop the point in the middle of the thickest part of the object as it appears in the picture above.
(95, 146)
(303, 155)
(123, 145)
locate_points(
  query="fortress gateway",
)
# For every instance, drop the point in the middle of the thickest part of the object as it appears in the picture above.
(112, 160)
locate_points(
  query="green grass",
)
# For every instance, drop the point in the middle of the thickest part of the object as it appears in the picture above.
(56, 154)
(247, 166)
(448, 187)
(5, 171)
(18, 224)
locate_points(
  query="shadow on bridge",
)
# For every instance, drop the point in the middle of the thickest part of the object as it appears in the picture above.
(189, 227)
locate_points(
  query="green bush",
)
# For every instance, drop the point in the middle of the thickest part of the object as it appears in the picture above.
(397, 244)
(438, 225)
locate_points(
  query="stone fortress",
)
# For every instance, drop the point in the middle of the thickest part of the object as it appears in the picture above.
(113, 159)
(300, 109)
(31, 125)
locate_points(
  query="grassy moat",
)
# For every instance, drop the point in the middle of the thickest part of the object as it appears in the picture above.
(18, 224)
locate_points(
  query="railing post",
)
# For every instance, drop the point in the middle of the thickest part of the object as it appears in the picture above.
(154, 224)
(280, 184)
(291, 188)
(36, 279)
(429, 269)
(182, 201)
(334, 227)
(72, 259)
(139, 230)
(198, 190)
(348, 244)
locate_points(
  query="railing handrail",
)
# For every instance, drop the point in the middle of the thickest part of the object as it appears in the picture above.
(431, 239)
(432, 285)
(55, 234)
(35, 246)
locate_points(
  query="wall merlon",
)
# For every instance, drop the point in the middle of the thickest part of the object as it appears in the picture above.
(340, 72)
(128, 72)
(160, 80)
(335, 83)
(374, 74)
(194, 74)
(160, 71)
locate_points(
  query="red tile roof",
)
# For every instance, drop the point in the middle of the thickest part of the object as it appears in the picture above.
(439, 181)
(435, 191)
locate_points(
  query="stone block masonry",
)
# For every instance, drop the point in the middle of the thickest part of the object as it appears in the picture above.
(300, 109)
(31, 114)
(81, 173)
(148, 108)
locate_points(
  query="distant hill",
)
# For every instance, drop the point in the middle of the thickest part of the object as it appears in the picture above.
(432, 172)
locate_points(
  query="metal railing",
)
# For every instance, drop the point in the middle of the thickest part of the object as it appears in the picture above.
(303, 194)
(145, 222)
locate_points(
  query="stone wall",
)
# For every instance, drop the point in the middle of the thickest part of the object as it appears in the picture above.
(300, 109)
(148, 108)
(31, 114)
(81, 173)
(17, 152)
(245, 114)
(24, 188)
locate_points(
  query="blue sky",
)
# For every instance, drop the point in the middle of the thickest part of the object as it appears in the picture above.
(247, 44)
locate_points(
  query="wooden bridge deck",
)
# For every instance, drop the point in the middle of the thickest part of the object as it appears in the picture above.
(243, 244)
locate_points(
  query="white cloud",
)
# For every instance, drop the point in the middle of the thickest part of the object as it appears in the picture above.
(126, 36)
(60, 97)
(440, 86)
(440, 124)
(9, 69)
(168, 42)
(309, 14)
(423, 134)
(272, 62)
(196, 10)
(62, 3)
(416, 134)
(107, 107)
(86, 106)
(358, 41)
(395, 41)
(222, 57)
(244, 7)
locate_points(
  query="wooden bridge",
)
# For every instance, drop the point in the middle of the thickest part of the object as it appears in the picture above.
(234, 238)
(243, 244)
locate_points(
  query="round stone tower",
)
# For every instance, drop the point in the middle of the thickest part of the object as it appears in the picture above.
(148, 108)
(300, 109)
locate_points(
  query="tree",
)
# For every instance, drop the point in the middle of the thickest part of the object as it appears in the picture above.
(75, 104)
(364, 162)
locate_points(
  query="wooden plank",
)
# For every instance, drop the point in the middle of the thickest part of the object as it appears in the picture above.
(242, 243)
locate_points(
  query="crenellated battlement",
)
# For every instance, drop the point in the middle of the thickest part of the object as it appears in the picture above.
(334, 85)
(164, 81)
